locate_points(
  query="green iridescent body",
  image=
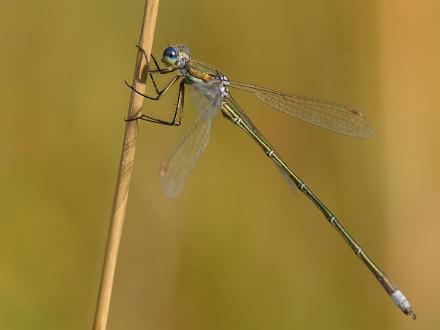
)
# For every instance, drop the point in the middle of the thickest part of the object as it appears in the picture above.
(199, 72)
(213, 86)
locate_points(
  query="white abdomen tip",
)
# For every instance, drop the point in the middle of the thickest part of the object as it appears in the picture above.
(403, 303)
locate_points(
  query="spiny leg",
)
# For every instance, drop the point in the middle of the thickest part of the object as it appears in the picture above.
(153, 80)
(159, 69)
(177, 119)
(145, 55)
(159, 93)
(159, 96)
(154, 83)
(178, 114)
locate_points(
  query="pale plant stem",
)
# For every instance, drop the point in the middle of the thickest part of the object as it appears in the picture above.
(125, 169)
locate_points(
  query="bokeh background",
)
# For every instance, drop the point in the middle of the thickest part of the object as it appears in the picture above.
(238, 249)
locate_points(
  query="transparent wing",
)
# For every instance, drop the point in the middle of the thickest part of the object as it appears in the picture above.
(248, 123)
(178, 166)
(331, 116)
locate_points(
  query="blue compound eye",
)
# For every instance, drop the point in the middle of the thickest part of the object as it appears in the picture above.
(170, 55)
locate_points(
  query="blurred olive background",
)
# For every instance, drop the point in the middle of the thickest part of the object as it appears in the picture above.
(238, 249)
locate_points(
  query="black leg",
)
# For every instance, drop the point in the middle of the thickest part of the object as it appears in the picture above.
(143, 52)
(145, 56)
(180, 104)
(155, 62)
(159, 93)
(159, 69)
(153, 120)
(153, 80)
(154, 83)
(177, 119)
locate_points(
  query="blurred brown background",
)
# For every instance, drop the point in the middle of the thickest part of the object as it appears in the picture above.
(239, 249)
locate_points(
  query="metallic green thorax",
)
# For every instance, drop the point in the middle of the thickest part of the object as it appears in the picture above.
(199, 72)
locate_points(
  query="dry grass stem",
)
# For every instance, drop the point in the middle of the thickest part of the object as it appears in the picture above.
(125, 169)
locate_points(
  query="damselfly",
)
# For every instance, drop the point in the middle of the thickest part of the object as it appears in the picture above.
(211, 93)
